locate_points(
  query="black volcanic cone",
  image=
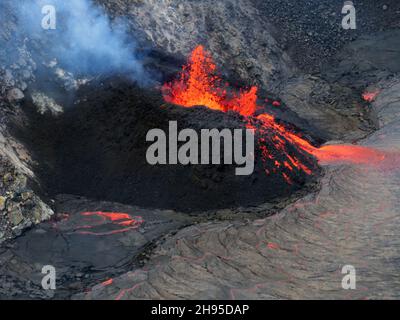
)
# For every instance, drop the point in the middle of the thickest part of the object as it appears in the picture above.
(99, 151)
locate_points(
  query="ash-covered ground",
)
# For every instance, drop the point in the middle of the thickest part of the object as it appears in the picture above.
(76, 192)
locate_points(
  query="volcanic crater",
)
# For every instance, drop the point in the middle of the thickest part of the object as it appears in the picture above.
(78, 193)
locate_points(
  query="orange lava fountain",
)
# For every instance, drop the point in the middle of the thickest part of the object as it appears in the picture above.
(198, 85)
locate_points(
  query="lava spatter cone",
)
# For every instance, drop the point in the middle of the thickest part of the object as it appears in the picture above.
(101, 144)
(199, 84)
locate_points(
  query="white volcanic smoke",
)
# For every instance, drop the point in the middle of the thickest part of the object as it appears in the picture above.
(84, 41)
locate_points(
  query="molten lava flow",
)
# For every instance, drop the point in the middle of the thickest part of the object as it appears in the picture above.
(273, 245)
(350, 154)
(370, 96)
(279, 140)
(276, 104)
(112, 216)
(199, 85)
(124, 221)
(107, 282)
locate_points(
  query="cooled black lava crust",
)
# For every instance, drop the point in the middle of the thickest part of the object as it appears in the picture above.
(98, 149)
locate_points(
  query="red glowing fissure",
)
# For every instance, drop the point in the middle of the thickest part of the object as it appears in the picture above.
(107, 282)
(199, 85)
(370, 96)
(124, 221)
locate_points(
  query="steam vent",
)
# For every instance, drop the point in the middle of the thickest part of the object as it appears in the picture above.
(197, 150)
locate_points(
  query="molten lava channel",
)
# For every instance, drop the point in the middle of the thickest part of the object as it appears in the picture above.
(198, 84)
(123, 221)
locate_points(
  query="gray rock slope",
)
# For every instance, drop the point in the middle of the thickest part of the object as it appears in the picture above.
(234, 31)
(20, 206)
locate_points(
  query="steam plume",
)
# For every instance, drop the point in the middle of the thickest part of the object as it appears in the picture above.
(84, 41)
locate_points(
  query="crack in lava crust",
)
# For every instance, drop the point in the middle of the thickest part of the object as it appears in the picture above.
(122, 221)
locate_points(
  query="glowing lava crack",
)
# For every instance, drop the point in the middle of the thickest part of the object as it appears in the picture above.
(97, 221)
